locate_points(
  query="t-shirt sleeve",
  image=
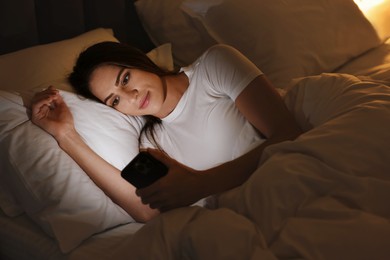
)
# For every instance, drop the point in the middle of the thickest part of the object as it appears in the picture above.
(228, 71)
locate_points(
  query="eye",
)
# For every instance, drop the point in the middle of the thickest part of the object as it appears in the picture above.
(126, 79)
(115, 101)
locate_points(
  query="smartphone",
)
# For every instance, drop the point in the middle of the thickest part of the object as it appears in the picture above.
(143, 170)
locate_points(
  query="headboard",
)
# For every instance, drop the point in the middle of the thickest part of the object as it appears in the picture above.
(25, 23)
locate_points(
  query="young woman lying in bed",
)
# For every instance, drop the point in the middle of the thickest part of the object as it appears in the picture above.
(211, 121)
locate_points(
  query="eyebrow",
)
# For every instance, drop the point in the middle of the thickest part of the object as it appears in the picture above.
(107, 98)
(116, 84)
(119, 76)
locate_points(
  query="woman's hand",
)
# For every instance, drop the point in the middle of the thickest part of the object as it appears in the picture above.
(49, 111)
(180, 187)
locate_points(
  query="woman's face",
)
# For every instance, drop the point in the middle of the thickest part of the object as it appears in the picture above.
(130, 91)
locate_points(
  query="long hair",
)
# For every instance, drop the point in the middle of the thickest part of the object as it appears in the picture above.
(119, 54)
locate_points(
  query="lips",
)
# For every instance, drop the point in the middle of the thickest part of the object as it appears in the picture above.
(144, 101)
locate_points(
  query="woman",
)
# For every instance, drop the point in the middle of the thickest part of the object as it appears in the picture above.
(214, 117)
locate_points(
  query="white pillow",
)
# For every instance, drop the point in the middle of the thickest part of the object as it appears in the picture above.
(29, 68)
(48, 185)
(166, 23)
(48, 63)
(10, 117)
(36, 176)
(286, 39)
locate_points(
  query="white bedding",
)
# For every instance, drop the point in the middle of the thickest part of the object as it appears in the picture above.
(322, 196)
(22, 239)
(374, 64)
(346, 148)
(36, 176)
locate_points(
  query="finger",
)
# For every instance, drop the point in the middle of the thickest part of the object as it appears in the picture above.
(153, 200)
(57, 101)
(51, 89)
(146, 194)
(152, 194)
(40, 113)
(45, 101)
(44, 96)
(41, 109)
(159, 203)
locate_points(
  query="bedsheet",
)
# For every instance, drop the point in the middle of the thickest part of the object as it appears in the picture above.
(374, 64)
(22, 239)
(321, 196)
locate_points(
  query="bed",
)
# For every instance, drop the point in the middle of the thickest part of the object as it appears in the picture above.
(321, 196)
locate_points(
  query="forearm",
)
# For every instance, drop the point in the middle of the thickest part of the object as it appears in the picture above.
(234, 173)
(105, 176)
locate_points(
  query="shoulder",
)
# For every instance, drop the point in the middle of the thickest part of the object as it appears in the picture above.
(215, 56)
(213, 60)
(222, 51)
(222, 57)
(221, 48)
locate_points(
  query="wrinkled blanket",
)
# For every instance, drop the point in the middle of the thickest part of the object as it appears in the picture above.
(324, 195)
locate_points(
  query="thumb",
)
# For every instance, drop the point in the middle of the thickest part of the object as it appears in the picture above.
(161, 156)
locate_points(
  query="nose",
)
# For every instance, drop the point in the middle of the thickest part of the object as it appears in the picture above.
(131, 93)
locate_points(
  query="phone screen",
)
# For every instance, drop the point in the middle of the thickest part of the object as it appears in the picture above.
(143, 170)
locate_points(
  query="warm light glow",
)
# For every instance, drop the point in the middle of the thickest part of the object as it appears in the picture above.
(366, 5)
(378, 13)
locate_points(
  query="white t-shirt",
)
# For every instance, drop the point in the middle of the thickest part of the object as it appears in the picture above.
(206, 128)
